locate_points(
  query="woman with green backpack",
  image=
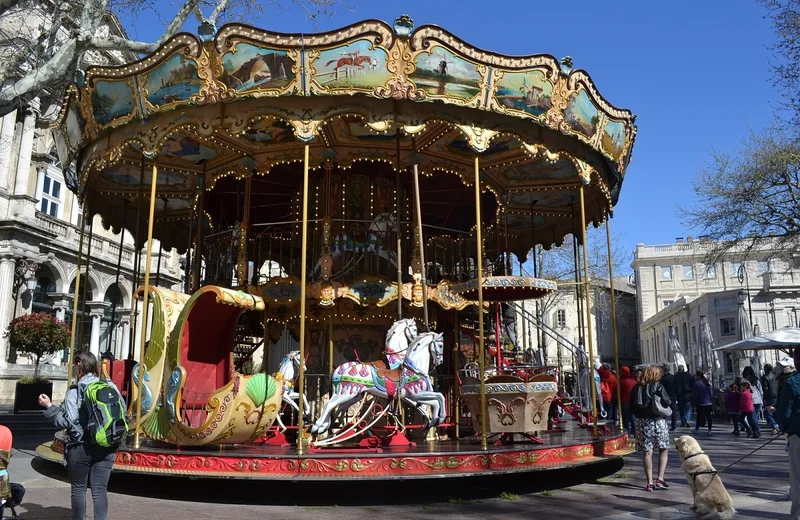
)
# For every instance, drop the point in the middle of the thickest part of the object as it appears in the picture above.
(91, 415)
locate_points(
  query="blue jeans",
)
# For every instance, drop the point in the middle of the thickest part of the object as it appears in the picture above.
(628, 419)
(770, 416)
(756, 415)
(685, 410)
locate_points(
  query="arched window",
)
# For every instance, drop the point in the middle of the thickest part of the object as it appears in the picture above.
(44, 286)
(111, 318)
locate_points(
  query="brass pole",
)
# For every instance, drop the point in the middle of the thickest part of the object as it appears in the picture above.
(456, 350)
(481, 354)
(88, 264)
(242, 261)
(614, 318)
(145, 303)
(73, 339)
(330, 345)
(586, 282)
(137, 259)
(399, 279)
(303, 259)
(421, 246)
(198, 244)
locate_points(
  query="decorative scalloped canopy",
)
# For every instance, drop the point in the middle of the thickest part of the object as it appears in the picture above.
(246, 102)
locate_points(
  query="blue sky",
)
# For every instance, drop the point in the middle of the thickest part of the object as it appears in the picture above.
(695, 73)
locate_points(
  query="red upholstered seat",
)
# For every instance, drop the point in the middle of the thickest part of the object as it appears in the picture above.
(206, 353)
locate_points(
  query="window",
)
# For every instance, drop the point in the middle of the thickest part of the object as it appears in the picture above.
(560, 318)
(711, 271)
(688, 272)
(667, 303)
(604, 321)
(763, 267)
(51, 196)
(694, 335)
(666, 273)
(728, 363)
(727, 326)
(735, 266)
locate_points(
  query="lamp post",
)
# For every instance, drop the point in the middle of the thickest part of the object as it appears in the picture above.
(745, 279)
(24, 275)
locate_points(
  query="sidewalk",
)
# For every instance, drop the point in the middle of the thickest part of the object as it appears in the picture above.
(758, 486)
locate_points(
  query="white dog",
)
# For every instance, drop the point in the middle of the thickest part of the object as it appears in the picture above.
(711, 499)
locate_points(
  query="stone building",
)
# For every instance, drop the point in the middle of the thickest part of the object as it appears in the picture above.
(560, 314)
(685, 284)
(40, 222)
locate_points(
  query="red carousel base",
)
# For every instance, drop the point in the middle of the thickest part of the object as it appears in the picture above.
(434, 459)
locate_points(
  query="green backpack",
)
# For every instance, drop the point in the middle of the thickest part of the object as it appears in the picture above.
(104, 410)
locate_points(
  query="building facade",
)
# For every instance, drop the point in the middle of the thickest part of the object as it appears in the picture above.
(560, 314)
(40, 228)
(686, 284)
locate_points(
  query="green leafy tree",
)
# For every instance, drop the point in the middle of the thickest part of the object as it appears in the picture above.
(38, 335)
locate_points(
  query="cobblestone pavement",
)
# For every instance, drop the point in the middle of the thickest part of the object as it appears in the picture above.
(758, 486)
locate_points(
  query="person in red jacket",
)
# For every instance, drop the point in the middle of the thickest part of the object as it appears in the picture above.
(626, 384)
(747, 410)
(608, 391)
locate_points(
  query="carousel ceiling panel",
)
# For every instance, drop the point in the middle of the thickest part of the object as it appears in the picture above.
(534, 123)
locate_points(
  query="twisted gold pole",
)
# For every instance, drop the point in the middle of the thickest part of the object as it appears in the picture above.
(481, 354)
(303, 261)
(586, 282)
(145, 303)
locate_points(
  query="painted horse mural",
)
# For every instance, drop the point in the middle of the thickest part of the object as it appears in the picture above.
(350, 59)
(409, 382)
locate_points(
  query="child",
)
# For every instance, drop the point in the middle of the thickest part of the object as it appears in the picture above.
(747, 410)
(732, 405)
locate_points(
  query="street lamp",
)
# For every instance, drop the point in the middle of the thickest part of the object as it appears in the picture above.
(744, 278)
(742, 296)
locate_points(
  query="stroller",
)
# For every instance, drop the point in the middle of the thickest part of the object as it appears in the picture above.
(10, 494)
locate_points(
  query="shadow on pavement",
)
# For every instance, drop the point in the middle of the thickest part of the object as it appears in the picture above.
(340, 493)
(29, 511)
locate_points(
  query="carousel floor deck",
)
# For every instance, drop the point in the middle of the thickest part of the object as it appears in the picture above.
(432, 459)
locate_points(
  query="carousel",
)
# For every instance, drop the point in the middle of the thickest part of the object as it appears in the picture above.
(354, 209)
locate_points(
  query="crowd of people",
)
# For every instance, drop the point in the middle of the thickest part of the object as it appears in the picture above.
(656, 402)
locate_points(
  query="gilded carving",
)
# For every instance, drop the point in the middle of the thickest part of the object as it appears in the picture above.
(209, 68)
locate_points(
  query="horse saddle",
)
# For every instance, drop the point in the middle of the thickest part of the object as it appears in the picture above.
(384, 372)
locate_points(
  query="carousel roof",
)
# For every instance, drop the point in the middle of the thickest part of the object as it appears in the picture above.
(380, 97)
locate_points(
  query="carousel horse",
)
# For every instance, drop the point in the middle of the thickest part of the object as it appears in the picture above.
(287, 373)
(409, 382)
(374, 242)
(398, 338)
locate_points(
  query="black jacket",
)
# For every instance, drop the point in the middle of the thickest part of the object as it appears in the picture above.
(670, 385)
(651, 391)
(769, 384)
(685, 383)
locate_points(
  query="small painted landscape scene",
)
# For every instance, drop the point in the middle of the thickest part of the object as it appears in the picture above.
(175, 80)
(270, 131)
(528, 92)
(442, 73)
(613, 139)
(538, 169)
(581, 114)
(250, 67)
(128, 175)
(111, 100)
(356, 65)
(188, 148)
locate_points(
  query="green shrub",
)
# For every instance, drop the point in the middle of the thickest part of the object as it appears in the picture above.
(37, 335)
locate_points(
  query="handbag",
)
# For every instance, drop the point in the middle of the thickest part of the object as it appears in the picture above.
(656, 407)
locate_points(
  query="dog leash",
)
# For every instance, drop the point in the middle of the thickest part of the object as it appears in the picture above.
(737, 461)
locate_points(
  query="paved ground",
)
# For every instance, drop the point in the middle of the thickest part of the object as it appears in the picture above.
(758, 486)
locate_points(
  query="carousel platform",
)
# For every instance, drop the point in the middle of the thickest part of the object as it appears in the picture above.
(574, 447)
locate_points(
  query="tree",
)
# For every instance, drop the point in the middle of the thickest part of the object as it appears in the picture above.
(749, 199)
(558, 265)
(37, 335)
(45, 43)
(785, 15)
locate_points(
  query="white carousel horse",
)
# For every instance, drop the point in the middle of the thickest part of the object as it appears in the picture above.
(398, 338)
(410, 382)
(288, 372)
